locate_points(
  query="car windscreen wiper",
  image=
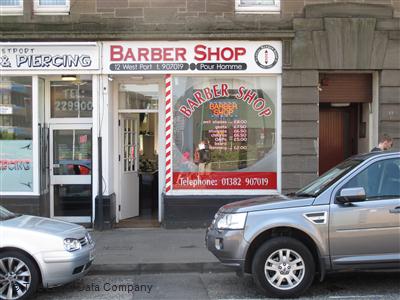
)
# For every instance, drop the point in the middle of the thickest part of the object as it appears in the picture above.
(291, 194)
(304, 195)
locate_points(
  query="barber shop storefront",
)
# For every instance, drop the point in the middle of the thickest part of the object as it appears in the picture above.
(185, 127)
(195, 125)
(47, 108)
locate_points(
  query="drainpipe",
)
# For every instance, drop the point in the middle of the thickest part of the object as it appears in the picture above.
(100, 206)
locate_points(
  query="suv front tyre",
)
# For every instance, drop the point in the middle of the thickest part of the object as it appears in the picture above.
(283, 267)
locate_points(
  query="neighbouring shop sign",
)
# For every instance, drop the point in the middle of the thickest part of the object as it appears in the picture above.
(46, 56)
(154, 57)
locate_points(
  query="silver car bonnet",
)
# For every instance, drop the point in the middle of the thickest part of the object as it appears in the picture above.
(266, 203)
(44, 225)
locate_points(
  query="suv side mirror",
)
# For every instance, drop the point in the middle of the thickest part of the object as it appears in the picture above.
(351, 195)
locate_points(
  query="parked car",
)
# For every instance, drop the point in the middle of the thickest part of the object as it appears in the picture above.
(346, 219)
(37, 251)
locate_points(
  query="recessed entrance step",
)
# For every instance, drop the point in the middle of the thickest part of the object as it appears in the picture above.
(139, 222)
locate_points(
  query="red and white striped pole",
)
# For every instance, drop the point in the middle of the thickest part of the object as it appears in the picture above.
(168, 133)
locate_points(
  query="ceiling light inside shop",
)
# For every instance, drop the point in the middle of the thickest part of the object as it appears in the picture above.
(137, 77)
(68, 77)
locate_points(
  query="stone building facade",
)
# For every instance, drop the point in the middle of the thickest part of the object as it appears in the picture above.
(320, 38)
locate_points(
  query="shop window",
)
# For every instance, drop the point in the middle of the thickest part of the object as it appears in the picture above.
(224, 133)
(51, 7)
(11, 7)
(71, 99)
(16, 174)
(257, 6)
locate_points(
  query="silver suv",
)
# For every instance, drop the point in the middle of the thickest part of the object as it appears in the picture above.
(346, 219)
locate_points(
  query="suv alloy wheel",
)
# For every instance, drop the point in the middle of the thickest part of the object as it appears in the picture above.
(283, 267)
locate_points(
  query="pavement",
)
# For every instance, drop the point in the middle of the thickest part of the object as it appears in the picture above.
(153, 250)
(206, 286)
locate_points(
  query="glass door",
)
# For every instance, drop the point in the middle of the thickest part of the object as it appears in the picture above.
(71, 172)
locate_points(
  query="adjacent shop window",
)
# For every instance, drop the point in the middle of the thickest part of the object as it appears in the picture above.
(51, 7)
(224, 133)
(16, 174)
(139, 96)
(257, 6)
(71, 99)
(11, 7)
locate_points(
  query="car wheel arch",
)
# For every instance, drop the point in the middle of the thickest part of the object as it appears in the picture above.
(289, 232)
(4, 249)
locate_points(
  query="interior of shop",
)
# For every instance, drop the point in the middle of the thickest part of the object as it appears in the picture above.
(139, 102)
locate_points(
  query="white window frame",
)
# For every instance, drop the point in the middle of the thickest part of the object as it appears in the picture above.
(51, 9)
(258, 9)
(12, 10)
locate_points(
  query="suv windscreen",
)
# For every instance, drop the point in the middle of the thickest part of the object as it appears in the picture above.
(328, 178)
(6, 215)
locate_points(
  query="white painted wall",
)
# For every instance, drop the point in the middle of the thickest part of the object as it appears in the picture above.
(102, 127)
(95, 157)
(374, 112)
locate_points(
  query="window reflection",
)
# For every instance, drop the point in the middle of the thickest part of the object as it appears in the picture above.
(72, 152)
(224, 124)
(72, 200)
(71, 99)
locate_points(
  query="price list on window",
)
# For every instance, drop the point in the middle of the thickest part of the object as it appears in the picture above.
(226, 131)
(227, 135)
(239, 134)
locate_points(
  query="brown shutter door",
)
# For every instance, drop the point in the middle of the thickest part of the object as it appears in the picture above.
(342, 88)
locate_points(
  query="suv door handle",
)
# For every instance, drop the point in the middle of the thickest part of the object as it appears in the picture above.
(395, 210)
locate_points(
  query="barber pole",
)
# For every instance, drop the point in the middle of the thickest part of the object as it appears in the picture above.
(168, 134)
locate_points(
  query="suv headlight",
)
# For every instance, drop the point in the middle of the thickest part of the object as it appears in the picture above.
(72, 244)
(231, 221)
